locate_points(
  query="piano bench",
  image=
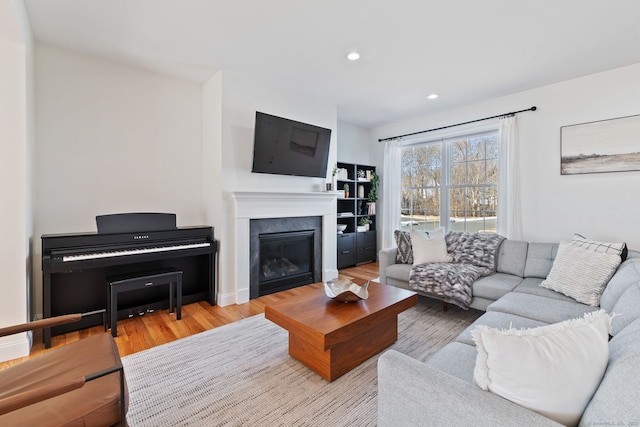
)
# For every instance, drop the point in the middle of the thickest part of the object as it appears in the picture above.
(131, 282)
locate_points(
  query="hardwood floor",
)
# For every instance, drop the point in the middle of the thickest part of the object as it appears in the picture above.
(143, 332)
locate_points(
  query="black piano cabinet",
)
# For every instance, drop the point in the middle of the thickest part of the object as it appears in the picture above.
(82, 286)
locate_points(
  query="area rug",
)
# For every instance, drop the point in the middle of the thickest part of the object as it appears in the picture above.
(242, 375)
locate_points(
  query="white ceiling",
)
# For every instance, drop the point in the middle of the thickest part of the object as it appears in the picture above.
(465, 50)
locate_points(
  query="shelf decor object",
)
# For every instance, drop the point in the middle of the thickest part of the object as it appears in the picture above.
(342, 174)
(332, 185)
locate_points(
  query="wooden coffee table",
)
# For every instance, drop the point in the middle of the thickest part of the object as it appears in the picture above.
(332, 337)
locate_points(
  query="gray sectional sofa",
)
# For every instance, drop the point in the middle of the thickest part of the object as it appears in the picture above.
(441, 390)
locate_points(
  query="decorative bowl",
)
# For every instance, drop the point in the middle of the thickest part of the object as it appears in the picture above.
(344, 290)
(342, 227)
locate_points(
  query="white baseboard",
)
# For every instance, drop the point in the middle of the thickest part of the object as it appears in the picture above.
(243, 295)
(329, 275)
(239, 297)
(15, 346)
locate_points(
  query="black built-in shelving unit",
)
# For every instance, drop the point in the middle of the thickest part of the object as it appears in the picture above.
(356, 247)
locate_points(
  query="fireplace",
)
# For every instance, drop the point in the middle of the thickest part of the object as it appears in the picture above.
(247, 206)
(285, 253)
(286, 261)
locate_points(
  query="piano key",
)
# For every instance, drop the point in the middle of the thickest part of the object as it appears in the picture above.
(128, 252)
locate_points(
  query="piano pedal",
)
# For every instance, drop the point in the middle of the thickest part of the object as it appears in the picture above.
(130, 314)
(150, 310)
(140, 312)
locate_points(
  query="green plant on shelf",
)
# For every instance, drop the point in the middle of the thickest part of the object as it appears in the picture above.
(373, 191)
(346, 191)
(364, 221)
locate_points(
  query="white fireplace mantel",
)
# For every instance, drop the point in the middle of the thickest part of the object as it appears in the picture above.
(248, 205)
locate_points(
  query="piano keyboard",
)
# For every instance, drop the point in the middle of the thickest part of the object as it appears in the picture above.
(111, 254)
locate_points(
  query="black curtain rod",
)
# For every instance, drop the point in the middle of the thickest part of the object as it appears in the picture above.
(534, 108)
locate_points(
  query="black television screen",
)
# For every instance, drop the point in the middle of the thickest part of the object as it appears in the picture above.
(286, 147)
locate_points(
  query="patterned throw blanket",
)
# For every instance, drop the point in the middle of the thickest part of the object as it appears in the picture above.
(474, 256)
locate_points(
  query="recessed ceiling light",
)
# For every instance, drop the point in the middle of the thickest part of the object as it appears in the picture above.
(353, 56)
(432, 96)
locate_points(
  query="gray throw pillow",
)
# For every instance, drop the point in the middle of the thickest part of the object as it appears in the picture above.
(404, 255)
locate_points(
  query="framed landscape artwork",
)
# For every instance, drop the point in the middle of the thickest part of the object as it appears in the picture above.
(602, 146)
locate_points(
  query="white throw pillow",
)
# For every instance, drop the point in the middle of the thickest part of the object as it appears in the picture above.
(431, 248)
(602, 247)
(580, 273)
(553, 370)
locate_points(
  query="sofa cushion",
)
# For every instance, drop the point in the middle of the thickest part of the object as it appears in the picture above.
(404, 254)
(531, 285)
(399, 284)
(399, 272)
(540, 258)
(411, 393)
(627, 309)
(494, 286)
(581, 273)
(564, 363)
(457, 359)
(616, 399)
(496, 319)
(429, 248)
(632, 253)
(547, 310)
(627, 274)
(512, 257)
(478, 303)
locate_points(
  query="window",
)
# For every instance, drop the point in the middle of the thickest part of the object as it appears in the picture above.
(451, 183)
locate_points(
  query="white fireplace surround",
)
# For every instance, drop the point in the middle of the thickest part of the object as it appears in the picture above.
(250, 205)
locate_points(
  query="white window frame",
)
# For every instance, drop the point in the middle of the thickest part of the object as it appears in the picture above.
(445, 185)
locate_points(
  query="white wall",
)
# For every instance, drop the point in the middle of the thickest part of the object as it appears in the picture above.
(600, 206)
(212, 158)
(15, 166)
(110, 139)
(354, 144)
(242, 96)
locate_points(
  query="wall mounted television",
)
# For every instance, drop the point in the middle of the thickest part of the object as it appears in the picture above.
(286, 147)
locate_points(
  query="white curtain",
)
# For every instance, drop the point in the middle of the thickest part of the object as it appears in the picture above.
(391, 191)
(509, 219)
